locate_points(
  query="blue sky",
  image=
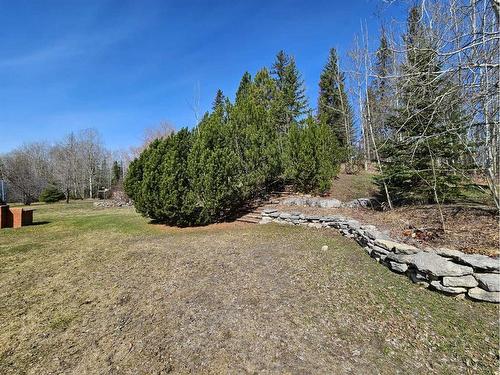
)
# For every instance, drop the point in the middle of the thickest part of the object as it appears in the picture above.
(122, 66)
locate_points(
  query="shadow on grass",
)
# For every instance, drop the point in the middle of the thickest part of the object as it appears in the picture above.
(40, 222)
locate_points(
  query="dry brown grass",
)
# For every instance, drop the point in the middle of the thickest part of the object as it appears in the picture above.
(103, 292)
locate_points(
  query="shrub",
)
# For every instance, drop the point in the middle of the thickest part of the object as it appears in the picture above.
(312, 156)
(233, 155)
(51, 194)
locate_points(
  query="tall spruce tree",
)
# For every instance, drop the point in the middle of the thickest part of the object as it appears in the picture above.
(219, 100)
(244, 87)
(422, 157)
(291, 101)
(333, 105)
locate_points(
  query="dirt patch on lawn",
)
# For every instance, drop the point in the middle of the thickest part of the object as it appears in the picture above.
(469, 229)
(205, 228)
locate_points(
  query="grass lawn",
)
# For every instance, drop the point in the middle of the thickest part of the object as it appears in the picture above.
(102, 291)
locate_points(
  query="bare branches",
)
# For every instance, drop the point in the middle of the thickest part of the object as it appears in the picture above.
(463, 39)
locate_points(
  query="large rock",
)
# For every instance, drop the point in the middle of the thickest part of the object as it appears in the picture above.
(398, 267)
(266, 220)
(400, 258)
(354, 224)
(315, 225)
(483, 295)
(436, 265)
(294, 201)
(397, 247)
(362, 203)
(312, 202)
(268, 211)
(326, 203)
(448, 253)
(446, 289)
(480, 262)
(489, 281)
(461, 281)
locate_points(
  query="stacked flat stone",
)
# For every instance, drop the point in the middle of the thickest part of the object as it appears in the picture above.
(448, 271)
(306, 201)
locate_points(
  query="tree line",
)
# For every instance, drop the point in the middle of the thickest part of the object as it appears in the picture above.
(76, 167)
(427, 111)
(428, 101)
(239, 151)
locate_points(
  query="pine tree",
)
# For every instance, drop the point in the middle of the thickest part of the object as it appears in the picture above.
(255, 136)
(244, 86)
(174, 182)
(333, 105)
(421, 158)
(312, 156)
(219, 100)
(214, 172)
(142, 180)
(116, 173)
(291, 103)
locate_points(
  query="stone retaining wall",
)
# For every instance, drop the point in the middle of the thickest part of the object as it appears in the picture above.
(448, 271)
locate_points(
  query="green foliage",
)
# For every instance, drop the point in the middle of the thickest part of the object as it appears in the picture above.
(236, 153)
(116, 173)
(245, 83)
(51, 194)
(312, 157)
(214, 172)
(157, 181)
(333, 105)
(219, 100)
(290, 101)
(422, 162)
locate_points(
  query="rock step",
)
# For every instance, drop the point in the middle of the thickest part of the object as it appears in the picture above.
(248, 220)
(252, 216)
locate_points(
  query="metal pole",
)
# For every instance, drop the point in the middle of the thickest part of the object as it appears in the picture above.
(3, 192)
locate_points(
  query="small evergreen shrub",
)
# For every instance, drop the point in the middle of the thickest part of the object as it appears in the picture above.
(51, 194)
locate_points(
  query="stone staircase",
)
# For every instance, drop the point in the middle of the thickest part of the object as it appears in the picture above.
(252, 213)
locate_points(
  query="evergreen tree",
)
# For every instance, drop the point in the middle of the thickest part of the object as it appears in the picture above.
(244, 86)
(141, 171)
(291, 102)
(255, 135)
(51, 194)
(174, 182)
(421, 159)
(312, 157)
(234, 154)
(333, 105)
(219, 100)
(116, 173)
(214, 172)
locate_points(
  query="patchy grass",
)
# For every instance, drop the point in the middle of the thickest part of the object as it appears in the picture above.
(347, 187)
(103, 291)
